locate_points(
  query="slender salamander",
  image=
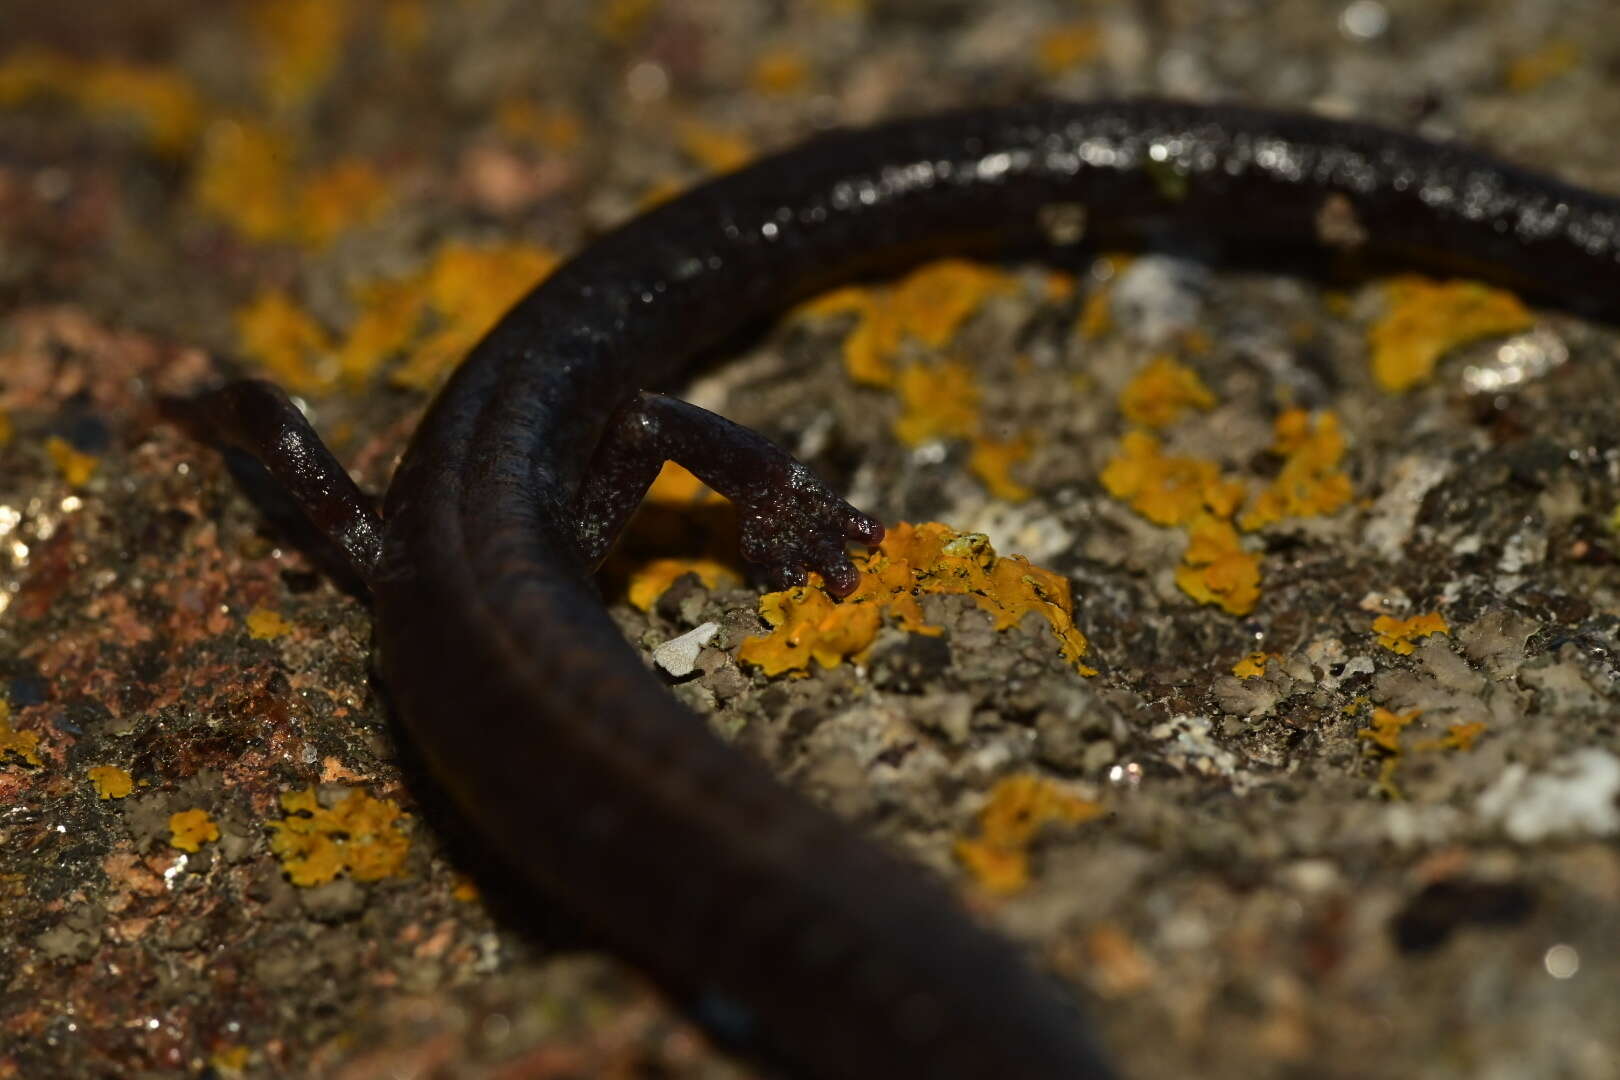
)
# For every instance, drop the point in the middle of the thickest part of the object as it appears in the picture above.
(775, 922)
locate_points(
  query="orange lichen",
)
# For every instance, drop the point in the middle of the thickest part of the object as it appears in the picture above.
(716, 150)
(1018, 809)
(653, 580)
(1425, 318)
(405, 24)
(111, 782)
(676, 486)
(390, 313)
(1384, 738)
(6, 430)
(554, 128)
(287, 342)
(913, 560)
(247, 176)
(359, 834)
(189, 830)
(347, 193)
(468, 289)
(938, 400)
(244, 177)
(936, 403)
(161, 102)
(1310, 482)
(991, 460)
(1386, 729)
(230, 1059)
(1457, 737)
(621, 20)
(1064, 47)
(75, 466)
(300, 42)
(265, 625)
(1542, 65)
(928, 305)
(1167, 490)
(807, 624)
(1162, 392)
(23, 745)
(780, 71)
(1216, 570)
(1253, 665)
(1397, 634)
(1096, 315)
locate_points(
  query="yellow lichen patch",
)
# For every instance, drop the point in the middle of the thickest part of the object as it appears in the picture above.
(230, 1059)
(244, 177)
(1457, 737)
(913, 560)
(1397, 635)
(1162, 392)
(1310, 482)
(359, 834)
(391, 312)
(1542, 65)
(1019, 808)
(806, 624)
(1425, 318)
(348, 193)
(189, 830)
(676, 486)
(928, 305)
(287, 342)
(22, 745)
(1384, 738)
(467, 289)
(1064, 47)
(161, 102)
(265, 625)
(1096, 315)
(991, 460)
(300, 42)
(465, 889)
(1614, 520)
(621, 20)
(75, 466)
(111, 782)
(1167, 490)
(405, 24)
(716, 150)
(1216, 570)
(1253, 665)
(780, 71)
(554, 128)
(1386, 729)
(936, 403)
(653, 580)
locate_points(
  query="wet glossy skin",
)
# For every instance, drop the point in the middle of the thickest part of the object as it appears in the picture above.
(778, 924)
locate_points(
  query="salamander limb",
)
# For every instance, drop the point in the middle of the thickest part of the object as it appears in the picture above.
(792, 523)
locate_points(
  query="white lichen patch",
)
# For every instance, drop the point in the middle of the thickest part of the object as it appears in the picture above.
(1573, 796)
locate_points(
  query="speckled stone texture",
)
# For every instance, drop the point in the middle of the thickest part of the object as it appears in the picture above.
(1254, 903)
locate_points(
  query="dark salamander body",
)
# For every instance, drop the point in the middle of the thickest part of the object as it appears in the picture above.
(544, 726)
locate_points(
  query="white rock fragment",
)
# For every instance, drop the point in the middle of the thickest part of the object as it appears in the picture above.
(1575, 796)
(678, 656)
(1394, 514)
